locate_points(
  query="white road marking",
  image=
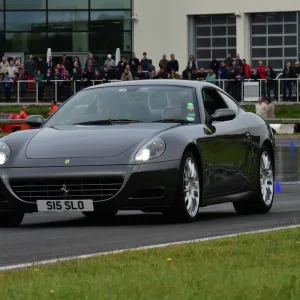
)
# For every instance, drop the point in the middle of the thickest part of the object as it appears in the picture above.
(52, 261)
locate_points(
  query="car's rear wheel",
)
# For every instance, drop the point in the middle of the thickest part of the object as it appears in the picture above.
(101, 214)
(263, 199)
(10, 219)
(187, 202)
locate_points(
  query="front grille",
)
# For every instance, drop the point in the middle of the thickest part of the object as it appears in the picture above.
(96, 189)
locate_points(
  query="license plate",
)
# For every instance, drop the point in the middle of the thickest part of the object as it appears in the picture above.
(65, 205)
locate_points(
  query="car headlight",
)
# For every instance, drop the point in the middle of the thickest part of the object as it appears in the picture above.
(152, 149)
(4, 153)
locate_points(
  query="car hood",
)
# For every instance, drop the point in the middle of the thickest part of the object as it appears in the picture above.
(90, 141)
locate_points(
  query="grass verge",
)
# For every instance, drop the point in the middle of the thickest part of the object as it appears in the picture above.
(262, 266)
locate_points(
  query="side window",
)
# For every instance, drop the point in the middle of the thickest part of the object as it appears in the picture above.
(212, 100)
(230, 103)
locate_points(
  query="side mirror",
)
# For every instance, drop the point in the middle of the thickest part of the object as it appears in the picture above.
(35, 120)
(223, 114)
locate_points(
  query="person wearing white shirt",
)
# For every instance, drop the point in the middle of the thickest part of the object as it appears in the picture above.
(261, 108)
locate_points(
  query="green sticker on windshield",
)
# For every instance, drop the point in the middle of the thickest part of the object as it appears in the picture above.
(190, 106)
(191, 117)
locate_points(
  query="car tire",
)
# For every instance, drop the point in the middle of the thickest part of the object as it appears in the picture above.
(263, 198)
(100, 214)
(187, 201)
(10, 219)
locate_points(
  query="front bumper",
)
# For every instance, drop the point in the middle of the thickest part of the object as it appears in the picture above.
(151, 185)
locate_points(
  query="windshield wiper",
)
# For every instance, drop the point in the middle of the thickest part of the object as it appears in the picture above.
(108, 122)
(173, 121)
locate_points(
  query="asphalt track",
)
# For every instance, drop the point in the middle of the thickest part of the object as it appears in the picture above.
(56, 235)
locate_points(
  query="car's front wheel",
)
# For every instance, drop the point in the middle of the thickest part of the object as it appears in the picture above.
(263, 199)
(187, 202)
(101, 214)
(10, 219)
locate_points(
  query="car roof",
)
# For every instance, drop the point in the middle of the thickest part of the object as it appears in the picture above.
(173, 82)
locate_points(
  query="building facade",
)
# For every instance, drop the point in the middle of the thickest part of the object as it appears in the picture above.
(257, 30)
(66, 26)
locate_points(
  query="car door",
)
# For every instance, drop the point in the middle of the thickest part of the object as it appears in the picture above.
(230, 144)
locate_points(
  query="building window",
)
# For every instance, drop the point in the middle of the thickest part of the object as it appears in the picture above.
(68, 4)
(110, 4)
(68, 20)
(215, 36)
(26, 21)
(25, 4)
(113, 21)
(64, 41)
(33, 43)
(274, 39)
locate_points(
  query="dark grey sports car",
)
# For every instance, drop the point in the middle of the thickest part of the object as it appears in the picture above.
(167, 146)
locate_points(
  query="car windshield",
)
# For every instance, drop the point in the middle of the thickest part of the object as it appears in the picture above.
(128, 104)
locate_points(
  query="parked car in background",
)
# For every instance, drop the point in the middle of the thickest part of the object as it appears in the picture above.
(12, 127)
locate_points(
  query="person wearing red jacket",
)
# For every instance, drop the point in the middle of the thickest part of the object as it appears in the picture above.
(245, 70)
(262, 74)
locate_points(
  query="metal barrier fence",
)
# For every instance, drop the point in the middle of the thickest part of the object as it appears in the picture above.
(59, 90)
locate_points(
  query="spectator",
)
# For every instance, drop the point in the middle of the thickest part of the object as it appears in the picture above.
(151, 67)
(66, 85)
(211, 76)
(172, 64)
(11, 69)
(238, 61)
(42, 66)
(254, 75)
(22, 78)
(235, 67)
(76, 77)
(66, 63)
(16, 62)
(288, 72)
(126, 76)
(231, 85)
(162, 74)
(121, 66)
(30, 68)
(261, 108)
(245, 70)
(129, 69)
(39, 78)
(23, 114)
(90, 66)
(134, 63)
(3, 65)
(145, 62)
(228, 61)
(49, 83)
(163, 63)
(77, 67)
(7, 86)
(51, 64)
(270, 109)
(153, 74)
(110, 63)
(76, 59)
(140, 75)
(297, 69)
(173, 75)
(97, 78)
(200, 74)
(261, 70)
(223, 71)
(57, 76)
(53, 107)
(271, 83)
(214, 65)
(106, 76)
(191, 67)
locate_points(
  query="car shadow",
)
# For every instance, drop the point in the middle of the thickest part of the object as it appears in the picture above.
(143, 219)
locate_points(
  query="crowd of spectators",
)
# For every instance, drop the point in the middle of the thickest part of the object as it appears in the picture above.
(75, 75)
